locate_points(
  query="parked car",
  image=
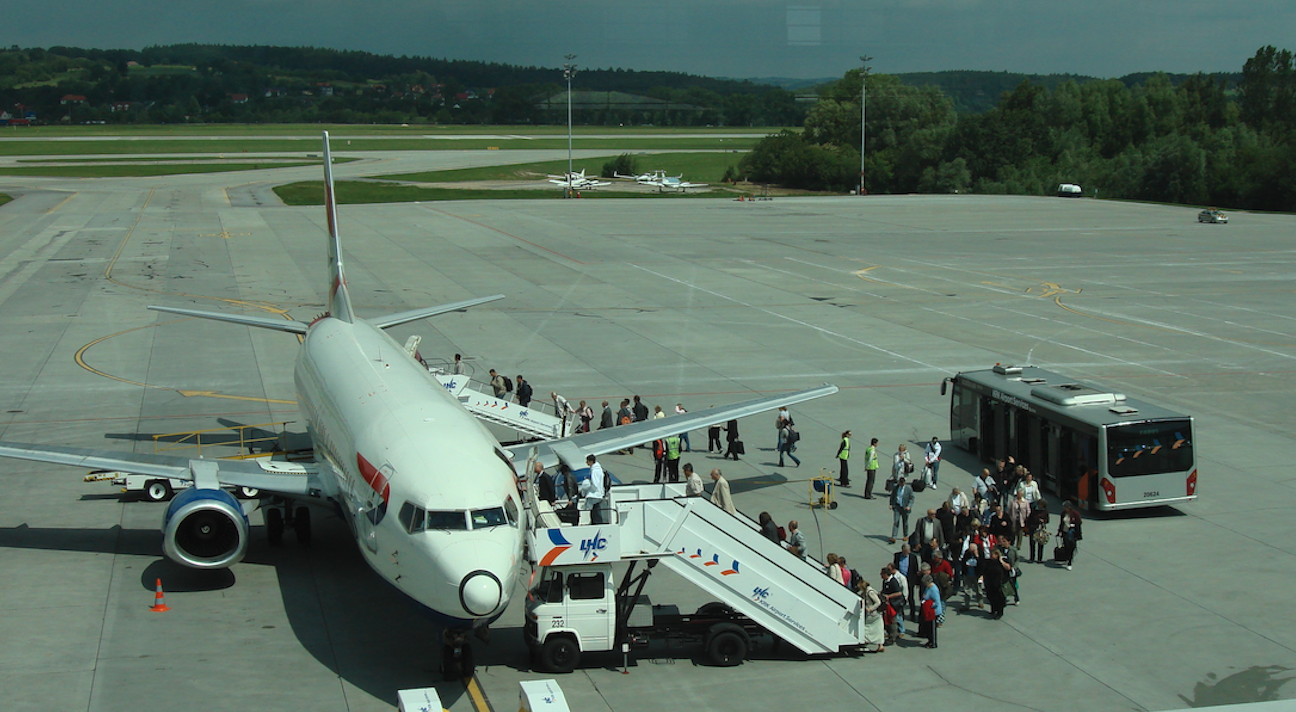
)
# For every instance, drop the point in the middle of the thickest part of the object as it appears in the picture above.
(1212, 215)
(1070, 190)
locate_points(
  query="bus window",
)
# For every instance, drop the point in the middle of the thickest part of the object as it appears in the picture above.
(1149, 448)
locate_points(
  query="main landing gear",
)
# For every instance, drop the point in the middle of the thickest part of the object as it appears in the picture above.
(285, 513)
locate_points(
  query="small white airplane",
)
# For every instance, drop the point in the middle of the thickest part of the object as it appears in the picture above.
(675, 183)
(663, 182)
(577, 180)
(429, 493)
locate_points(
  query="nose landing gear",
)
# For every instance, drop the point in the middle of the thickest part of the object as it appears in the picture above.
(457, 656)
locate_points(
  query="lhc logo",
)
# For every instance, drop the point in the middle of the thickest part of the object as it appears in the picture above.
(760, 594)
(590, 548)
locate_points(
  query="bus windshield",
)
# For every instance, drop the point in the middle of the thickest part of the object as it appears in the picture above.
(1149, 448)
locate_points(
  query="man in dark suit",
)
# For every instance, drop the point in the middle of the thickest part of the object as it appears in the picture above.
(907, 563)
(731, 435)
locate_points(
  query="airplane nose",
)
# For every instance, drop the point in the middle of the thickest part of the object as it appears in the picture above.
(480, 593)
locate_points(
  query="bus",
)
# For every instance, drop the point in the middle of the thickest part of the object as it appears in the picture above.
(1097, 447)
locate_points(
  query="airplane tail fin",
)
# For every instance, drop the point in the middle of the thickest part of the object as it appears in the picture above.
(339, 300)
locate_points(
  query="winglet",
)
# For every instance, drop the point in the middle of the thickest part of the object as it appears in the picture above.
(339, 301)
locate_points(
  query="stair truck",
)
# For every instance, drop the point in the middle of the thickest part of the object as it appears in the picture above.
(576, 604)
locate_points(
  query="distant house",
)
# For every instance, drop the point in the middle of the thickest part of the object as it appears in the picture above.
(121, 106)
(325, 89)
(239, 98)
(72, 99)
(275, 91)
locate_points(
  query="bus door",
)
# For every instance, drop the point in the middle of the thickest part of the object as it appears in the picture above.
(989, 445)
(964, 412)
(1029, 438)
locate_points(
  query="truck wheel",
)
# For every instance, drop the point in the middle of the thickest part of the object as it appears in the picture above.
(302, 525)
(274, 525)
(727, 645)
(158, 490)
(560, 654)
(714, 608)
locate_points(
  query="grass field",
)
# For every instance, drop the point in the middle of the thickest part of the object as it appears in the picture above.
(312, 131)
(138, 171)
(73, 147)
(177, 159)
(4, 198)
(312, 193)
(695, 167)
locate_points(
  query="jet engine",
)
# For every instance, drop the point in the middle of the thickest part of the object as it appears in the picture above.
(205, 529)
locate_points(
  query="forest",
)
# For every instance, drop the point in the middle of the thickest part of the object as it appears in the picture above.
(193, 83)
(1200, 141)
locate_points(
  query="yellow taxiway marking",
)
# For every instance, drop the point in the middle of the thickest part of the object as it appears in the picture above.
(475, 694)
(223, 234)
(61, 202)
(80, 360)
(188, 393)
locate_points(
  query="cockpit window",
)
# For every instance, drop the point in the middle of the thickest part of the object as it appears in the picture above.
(493, 517)
(447, 521)
(411, 517)
(510, 509)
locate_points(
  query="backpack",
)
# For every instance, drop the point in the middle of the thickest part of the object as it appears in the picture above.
(793, 436)
(508, 384)
(855, 579)
(918, 485)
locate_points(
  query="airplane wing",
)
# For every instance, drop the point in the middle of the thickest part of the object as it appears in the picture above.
(572, 450)
(293, 479)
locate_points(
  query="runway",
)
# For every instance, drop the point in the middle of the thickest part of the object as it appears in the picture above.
(693, 302)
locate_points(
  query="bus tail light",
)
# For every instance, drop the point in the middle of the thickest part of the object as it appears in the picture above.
(1192, 484)
(1109, 489)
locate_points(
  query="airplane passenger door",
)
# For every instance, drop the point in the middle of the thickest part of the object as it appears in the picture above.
(590, 609)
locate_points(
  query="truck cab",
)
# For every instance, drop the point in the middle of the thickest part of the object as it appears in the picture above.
(571, 609)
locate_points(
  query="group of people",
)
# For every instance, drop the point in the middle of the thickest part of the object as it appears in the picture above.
(965, 546)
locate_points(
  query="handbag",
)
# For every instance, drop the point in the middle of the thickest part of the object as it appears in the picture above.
(739, 448)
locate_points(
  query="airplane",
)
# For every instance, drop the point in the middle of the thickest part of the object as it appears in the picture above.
(430, 495)
(577, 180)
(662, 181)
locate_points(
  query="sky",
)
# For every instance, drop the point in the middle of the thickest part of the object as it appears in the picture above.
(722, 38)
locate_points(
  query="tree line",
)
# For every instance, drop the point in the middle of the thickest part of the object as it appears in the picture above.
(1203, 140)
(221, 83)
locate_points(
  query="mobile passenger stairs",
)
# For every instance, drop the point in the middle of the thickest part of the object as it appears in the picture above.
(758, 586)
(538, 420)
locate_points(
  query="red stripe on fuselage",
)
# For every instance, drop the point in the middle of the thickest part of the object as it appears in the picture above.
(377, 480)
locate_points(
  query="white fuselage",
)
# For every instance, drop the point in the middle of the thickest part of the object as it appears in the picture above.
(388, 436)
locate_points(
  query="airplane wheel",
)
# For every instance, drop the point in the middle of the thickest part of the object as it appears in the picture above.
(467, 666)
(158, 490)
(302, 525)
(248, 492)
(560, 654)
(274, 524)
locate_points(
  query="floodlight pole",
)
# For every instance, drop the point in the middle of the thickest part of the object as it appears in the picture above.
(569, 71)
(864, 60)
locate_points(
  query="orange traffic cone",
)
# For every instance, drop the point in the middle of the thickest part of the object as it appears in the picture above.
(159, 605)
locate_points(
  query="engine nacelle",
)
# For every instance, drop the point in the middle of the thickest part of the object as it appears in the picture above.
(205, 529)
